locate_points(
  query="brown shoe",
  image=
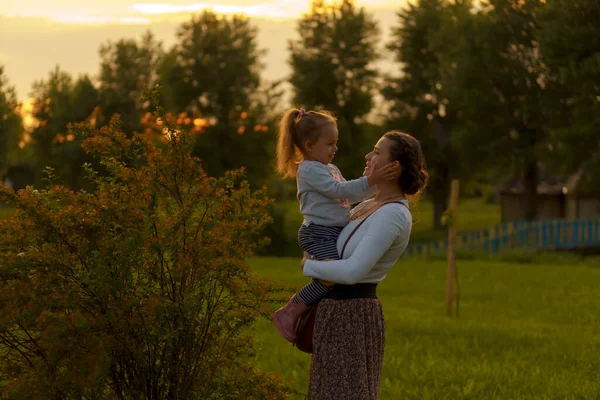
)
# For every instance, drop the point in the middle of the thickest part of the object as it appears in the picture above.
(287, 316)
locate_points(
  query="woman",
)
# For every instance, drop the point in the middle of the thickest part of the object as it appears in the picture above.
(349, 327)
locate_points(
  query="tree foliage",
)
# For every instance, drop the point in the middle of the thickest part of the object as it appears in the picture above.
(58, 101)
(482, 69)
(418, 99)
(518, 90)
(11, 127)
(127, 69)
(569, 42)
(215, 65)
(333, 60)
(137, 290)
(213, 73)
(333, 69)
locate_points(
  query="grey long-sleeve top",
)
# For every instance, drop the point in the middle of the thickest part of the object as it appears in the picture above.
(325, 196)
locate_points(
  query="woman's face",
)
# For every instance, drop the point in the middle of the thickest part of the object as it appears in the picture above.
(380, 155)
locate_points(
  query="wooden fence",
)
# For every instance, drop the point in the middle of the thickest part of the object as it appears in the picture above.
(547, 234)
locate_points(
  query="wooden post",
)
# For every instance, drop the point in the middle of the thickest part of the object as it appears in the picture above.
(452, 276)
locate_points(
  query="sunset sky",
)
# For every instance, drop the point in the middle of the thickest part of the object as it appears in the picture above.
(37, 35)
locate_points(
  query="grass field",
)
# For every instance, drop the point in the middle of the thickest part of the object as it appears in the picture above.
(525, 331)
(474, 214)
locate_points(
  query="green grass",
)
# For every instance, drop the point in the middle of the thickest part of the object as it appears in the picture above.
(473, 214)
(525, 331)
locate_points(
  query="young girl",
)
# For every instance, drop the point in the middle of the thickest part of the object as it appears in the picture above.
(306, 146)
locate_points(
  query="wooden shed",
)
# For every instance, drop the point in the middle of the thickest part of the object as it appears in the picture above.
(557, 198)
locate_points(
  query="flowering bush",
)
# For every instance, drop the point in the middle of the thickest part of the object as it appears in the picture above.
(137, 290)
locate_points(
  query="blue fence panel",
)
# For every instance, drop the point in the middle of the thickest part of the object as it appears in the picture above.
(495, 243)
(521, 235)
(575, 235)
(544, 234)
(538, 234)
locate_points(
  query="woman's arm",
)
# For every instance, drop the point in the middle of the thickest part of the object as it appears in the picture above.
(384, 227)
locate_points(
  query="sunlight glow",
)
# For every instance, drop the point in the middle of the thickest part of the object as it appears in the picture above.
(275, 9)
(29, 122)
(126, 13)
(70, 18)
(82, 17)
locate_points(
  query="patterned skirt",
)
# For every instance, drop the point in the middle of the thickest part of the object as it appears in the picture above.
(348, 344)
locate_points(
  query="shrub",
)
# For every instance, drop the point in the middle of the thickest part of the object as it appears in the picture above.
(139, 289)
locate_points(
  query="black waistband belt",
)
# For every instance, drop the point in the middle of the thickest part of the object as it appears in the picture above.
(357, 291)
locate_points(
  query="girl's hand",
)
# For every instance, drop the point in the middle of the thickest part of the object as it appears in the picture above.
(305, 257)
(385, 173)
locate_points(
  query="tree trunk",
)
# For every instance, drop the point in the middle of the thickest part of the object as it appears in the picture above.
(530, 182)
(439, 184)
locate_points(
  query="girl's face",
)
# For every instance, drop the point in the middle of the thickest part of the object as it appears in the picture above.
(380, 155)
(325, 147)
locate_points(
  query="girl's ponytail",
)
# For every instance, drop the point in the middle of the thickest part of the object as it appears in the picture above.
(286, 147)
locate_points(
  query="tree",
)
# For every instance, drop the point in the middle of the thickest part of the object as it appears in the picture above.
(569, 42)
(58, 101)
(139, 289)
(485, 67)
(11, 127)
(506, 92)
(51, 109)
(519, 91)
(212, 73)
(418, 99)
(333, 68)
(127, 68)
